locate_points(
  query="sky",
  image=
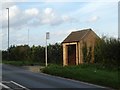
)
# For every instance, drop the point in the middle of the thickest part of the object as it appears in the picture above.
(31, 19)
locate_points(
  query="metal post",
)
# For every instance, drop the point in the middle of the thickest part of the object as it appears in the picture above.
(46, 53)
(46, 61)
(8, 32)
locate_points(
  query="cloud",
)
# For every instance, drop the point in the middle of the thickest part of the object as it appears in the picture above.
(48, 11)
(89, 7)
(91, 12)
(66, 18)
(93, 7)
(22, 18)
(93, 19)
(15, 15)
(50, 17)
(32, 12)
(14, 11)
(32, 17)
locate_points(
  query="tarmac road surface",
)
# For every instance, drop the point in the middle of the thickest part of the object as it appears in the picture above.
(32, 80)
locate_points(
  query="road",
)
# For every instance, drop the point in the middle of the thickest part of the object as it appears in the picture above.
(39, 80)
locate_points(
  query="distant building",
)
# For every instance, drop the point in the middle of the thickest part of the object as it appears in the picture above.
(73, 46)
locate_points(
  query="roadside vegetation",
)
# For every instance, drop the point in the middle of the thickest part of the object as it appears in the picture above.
(24, 55)
(20, 63)
(105, 70)
(91, 73)
(107, 52)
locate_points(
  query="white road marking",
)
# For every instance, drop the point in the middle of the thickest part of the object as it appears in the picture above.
(75, 80)
(4, 86)
(19, 85)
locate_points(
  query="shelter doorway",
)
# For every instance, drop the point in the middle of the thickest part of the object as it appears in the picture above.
(72, 54)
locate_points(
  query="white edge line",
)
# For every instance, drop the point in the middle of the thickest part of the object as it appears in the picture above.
(19, 85)
(4, 86)
(76, 81)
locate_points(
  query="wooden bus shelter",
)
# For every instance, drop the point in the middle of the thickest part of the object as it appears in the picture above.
(73, 44)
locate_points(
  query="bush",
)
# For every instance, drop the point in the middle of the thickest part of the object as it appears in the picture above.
(107, 52)
(33, 54)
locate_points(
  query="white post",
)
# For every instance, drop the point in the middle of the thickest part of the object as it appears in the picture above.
(47, 37)
(46, 54)
(8, 31)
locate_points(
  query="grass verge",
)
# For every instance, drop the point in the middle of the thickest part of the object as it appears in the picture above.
(22, 63)
(87, 73)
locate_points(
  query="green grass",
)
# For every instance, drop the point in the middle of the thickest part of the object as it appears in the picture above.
(16, 63)
(88, 73)
(21, 63)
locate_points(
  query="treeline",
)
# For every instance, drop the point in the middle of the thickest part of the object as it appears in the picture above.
(107, 52)
(34, 53)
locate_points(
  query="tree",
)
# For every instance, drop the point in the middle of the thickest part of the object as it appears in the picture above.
(35, 54)
(107, 52)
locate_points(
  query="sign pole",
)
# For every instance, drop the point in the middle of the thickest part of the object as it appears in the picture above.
(46, 61)
(46, 54)
(8, 32)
